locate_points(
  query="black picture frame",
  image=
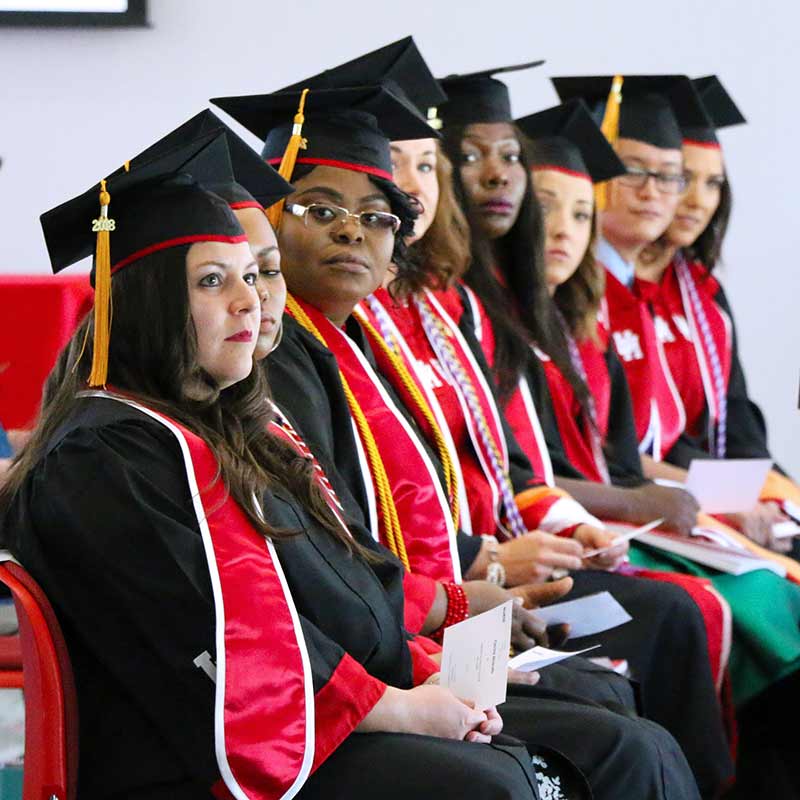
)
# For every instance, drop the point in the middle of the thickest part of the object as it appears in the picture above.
(134, 17)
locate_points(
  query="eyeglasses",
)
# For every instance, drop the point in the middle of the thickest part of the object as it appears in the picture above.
(666, 182)
(321, 215)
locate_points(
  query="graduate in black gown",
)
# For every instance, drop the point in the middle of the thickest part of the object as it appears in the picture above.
(199, 673)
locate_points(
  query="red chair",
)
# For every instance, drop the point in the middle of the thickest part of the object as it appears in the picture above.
(51, 707)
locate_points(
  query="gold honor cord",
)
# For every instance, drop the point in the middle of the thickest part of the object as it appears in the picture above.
(451, 479)
(391, 521)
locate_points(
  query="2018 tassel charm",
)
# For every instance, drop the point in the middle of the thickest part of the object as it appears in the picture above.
(102, 226)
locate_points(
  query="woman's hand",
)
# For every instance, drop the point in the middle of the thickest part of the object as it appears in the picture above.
(595, 538)
(757, 525)
(492, 727)
(532, 557)
(428, 710)
(677, 506)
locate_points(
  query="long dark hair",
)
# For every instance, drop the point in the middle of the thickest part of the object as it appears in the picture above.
(152, 357)
(708, 247)
(509, 277)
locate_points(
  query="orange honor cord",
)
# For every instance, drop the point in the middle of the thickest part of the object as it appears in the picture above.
(610, 129)
(286, 168)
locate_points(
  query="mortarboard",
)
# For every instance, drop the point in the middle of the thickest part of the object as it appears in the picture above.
(254, 182)
(567, 138)
(398, 67)
(653, 108)
(155, 205)
(720, 109)
(345, 128)
(478, 96)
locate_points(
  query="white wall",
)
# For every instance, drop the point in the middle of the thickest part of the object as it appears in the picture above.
(74, 104)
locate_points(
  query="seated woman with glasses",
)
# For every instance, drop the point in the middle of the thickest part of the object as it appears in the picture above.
(696, 327)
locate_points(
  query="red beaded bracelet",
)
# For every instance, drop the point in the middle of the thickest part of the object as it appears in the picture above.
(457, 609)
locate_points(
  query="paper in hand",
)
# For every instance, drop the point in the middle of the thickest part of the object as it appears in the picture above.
(587, 615)
(539, 657)
(624, 537)
(475, 657)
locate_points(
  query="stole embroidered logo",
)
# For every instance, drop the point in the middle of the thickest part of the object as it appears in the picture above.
(665, 335)
(683, 326)
(429, 373)
(628, 346)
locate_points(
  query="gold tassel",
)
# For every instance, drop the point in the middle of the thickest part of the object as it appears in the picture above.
(102, 291)
(610, 129)
(296, 143)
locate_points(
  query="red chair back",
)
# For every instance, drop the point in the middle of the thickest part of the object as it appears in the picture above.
(51, 707)
(10, 662)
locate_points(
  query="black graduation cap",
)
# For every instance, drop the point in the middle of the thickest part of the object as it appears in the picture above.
(154, 205)
(255, 183)
(567, 138)
(720, 108)
(347, 128)
(158, 203)
(478, 96)
(653, 109)
(398, 66)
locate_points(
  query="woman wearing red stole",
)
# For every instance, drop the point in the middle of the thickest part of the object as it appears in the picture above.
(218, 651)
(695, 324)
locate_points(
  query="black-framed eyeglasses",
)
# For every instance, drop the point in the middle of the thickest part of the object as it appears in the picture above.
(322, 215)
(666, 182)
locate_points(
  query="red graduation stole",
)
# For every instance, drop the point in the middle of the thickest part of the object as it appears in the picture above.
(657, 407)
(394, 461)
(572, 426)
(709, 329)
(264, 707)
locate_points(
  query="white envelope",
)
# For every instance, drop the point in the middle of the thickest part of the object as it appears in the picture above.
(727, 486)
(475, 657)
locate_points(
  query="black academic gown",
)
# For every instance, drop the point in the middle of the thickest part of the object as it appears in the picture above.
(305, 384)
(105, 524)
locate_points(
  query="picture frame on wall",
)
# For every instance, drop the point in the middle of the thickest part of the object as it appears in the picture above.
(74, 13)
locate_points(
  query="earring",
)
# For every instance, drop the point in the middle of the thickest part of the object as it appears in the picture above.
(278, 339)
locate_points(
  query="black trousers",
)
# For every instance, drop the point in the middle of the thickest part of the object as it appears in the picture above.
(667, 649)
(398, 766)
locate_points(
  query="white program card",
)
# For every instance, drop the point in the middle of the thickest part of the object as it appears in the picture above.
(540, 657)
(587, 615)
(727, 486)
(475, 657)
(624, 535)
